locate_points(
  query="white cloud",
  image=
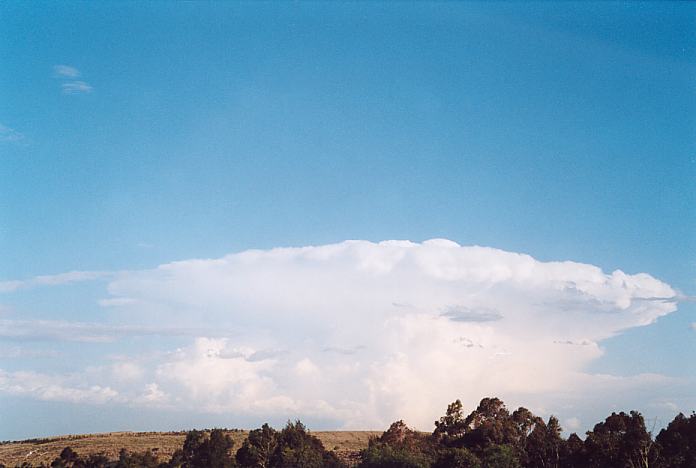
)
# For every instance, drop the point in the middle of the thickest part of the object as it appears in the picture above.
(69, 277)
(306, 368)
(66, 71)
(53, 388)
(153, 394)
(127, 371)
(10, 286)
(53, 280)
(116, 302)
(10, 135)
(17, 352)
(57, 330)
(70, 85)
(76, 87)
(571, 424)
(364, 333)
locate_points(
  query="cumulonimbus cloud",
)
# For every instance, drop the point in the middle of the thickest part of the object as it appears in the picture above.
(363, 333)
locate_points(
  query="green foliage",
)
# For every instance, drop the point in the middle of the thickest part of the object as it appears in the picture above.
(292, 447)
(201, 451)
(383, 455)
(258, 448)
(398, 447)
(450, 429)
(489, 437)
(68, 458)
(676, 443)
(217, 451)
(296, 448)
(97, 461)
(136, 460)
(544, 445)
(456, 458)
(573, 454)
(500, 456)
(620, 441)
(399, 435)
(193, 446)
(491, 424)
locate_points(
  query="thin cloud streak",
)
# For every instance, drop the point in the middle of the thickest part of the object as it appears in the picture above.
(56, 330)
(66, 71)
(54, 280)
(10, 135)
(70, 85)
(76, 87)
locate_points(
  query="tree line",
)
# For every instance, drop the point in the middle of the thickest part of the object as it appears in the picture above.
(489, 437)
(493, 437)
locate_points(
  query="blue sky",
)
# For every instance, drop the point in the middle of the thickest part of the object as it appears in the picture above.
(138, 134)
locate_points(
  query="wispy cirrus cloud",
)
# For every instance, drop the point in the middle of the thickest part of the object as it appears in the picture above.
(85, 332)
(53, 280)
(76, 87)
(10, 135)
(116, 302)
(19, 352)
(66, 71)
(72, 86)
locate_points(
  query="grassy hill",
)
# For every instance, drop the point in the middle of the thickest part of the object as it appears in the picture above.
(345, 443)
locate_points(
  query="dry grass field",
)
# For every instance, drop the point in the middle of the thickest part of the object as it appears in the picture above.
(345, 443)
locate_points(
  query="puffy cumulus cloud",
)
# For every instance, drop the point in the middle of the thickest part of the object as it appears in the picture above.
(363, 333)
(212, 376)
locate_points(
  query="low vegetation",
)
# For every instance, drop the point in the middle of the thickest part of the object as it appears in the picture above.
(489, 437)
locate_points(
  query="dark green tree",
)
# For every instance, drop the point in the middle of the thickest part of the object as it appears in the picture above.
(456, 458)
(398, 447)
(298, 449)
(677, 443)
(201, 451)
(450, 428)
(218, 450)
(544, 445)
(500, 456)
(380, 455)
(68, 458)
(620, 441)
(258, 448)
(136, 460)
(97, 460)
(489, 424)
(190, 453)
